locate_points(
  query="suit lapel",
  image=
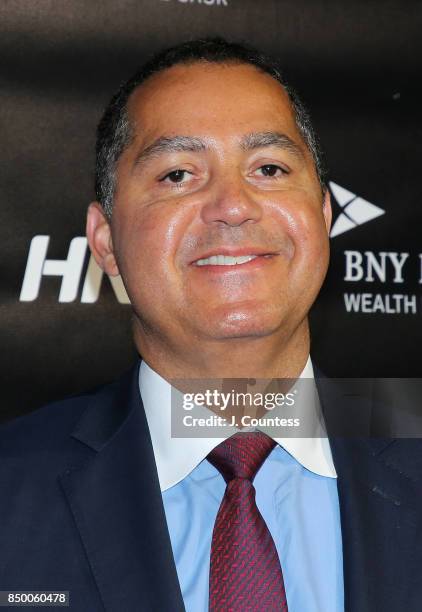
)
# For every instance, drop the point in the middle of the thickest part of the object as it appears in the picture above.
(380, 509)
(117, 506)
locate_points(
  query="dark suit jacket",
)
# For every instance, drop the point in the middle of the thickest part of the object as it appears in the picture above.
(81, 508)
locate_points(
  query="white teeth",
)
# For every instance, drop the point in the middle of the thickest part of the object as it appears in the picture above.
(224, 260)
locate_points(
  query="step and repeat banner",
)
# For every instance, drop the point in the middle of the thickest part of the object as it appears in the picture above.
(64, 327)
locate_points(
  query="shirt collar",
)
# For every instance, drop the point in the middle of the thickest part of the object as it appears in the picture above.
(177, 457)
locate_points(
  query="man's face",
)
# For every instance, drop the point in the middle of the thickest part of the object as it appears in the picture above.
(218, 170)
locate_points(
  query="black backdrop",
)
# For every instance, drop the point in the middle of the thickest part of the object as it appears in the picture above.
(357, 65)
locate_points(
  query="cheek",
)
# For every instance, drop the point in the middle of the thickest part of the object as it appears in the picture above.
(304, 220)
(314, 249)
(146, 246)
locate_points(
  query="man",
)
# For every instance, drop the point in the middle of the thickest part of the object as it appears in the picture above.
(213, 208)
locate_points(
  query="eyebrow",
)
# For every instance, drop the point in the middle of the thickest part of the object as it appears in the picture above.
(172, 144)
(259, 140)
(193, 144)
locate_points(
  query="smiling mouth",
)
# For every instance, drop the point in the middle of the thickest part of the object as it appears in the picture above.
(229, 260)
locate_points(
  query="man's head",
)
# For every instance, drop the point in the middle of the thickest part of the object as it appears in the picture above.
(220, 216)
(115, 130)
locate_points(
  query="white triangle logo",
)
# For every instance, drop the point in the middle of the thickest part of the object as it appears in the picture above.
(356, 210)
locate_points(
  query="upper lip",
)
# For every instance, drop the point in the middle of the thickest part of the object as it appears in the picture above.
(234, 252)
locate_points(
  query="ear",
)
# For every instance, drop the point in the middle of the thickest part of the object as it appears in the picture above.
(327, 210)
(98, 232)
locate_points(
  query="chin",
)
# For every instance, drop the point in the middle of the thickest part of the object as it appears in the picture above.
(243, 325)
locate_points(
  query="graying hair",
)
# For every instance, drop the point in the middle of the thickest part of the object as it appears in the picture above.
(115, 131)
(107, 162)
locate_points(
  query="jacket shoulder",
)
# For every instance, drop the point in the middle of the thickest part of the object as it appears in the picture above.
(48, 429)
(45, 424)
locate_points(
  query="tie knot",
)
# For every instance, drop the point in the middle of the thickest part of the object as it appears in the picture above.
(241, 455)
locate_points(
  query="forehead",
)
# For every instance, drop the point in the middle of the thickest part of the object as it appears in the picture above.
(208, 98)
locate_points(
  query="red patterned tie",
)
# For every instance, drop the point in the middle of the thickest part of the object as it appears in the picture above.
(245, 572)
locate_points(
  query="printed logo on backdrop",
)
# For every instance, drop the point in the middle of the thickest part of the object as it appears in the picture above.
(70, 270)
(354, 210)
(386, 267)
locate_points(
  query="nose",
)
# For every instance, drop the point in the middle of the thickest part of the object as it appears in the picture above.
(230, 203)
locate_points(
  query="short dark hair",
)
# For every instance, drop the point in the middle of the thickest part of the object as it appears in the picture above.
(115, 132)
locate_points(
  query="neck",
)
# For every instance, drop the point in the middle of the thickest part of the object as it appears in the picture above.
(251, 357)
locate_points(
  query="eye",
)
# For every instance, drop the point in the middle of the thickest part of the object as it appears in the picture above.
(175, 176)
(272, 170)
